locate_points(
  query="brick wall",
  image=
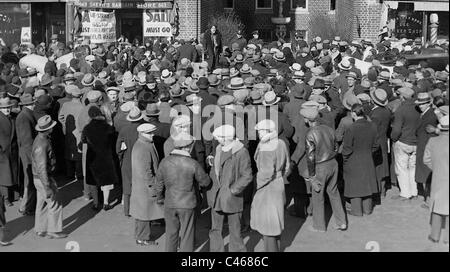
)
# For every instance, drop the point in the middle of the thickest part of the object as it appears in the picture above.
(345, 19)
(369, 16)
(307, 20)
(190, 18)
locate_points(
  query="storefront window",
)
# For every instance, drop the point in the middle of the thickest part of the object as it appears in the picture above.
(12, 18)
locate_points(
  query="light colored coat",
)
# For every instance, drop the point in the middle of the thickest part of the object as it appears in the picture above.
(267, 211)
(144, 163)
(436, 157)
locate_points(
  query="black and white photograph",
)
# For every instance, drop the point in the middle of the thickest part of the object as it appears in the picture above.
(232, 126)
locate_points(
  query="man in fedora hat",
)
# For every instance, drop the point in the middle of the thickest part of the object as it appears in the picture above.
(381, 116)
(8, 152)
(403, 134)
(48, 220)
(67, 116)
(177, 171)
(256, 40)
(273, 112)
(427, 118)
(162, 132)
(203, 86)
(177, 95)
(340, 82)
(297, 98)
(126, 139)
(25, 123)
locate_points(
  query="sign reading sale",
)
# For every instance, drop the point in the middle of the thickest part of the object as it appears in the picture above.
(157, 23)
(100, 27)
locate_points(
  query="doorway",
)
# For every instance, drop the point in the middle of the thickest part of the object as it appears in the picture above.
(129, 24)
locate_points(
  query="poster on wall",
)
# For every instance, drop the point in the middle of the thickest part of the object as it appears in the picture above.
(25, 35)
(157, 23)
(100, 27)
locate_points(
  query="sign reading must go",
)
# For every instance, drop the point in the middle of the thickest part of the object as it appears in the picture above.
(157, 23)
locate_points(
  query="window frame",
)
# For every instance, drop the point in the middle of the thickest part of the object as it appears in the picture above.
(303, 9)
(258, 8)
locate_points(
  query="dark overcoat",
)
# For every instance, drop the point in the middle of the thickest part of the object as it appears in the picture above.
(8, 154)
(100, 166)
(423, 173)
(25, 129)
(128, 136)
(230, 174)
(360, 141)
(381, 116)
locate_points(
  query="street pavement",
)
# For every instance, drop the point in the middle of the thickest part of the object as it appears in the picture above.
(394, 226)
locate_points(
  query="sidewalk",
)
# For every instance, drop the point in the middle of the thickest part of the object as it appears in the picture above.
(393, 226)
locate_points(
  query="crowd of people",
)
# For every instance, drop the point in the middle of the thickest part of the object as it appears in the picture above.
(242, 127)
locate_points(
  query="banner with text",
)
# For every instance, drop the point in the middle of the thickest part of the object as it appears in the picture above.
(157, 23)
(100, 27)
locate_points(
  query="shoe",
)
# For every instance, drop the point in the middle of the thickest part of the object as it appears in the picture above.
(52, 235)
(96, 208)
(26, 213)
(41, 233)
(146, 243)
(8, 203)
(127, 215)
(107, 207)
(425, 206)
(87, 198)
(342, 227)
(414, 198)
(432, 240)
(3, 244)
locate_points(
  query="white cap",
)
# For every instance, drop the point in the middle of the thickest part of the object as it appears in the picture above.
(266, 124)
(146, 128)
(225, 131)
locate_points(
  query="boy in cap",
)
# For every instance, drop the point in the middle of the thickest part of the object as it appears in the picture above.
(231, 173)
(177, 172)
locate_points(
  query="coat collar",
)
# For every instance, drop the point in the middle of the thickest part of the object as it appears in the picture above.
(180, 153)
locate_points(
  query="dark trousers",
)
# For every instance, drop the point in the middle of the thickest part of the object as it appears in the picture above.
(126, 204)
(5, 192)
(74, 168)
(179, 223)
(271, 243)
(361, 205)
(234, 225)
(28, 203)
(2, 218)
(327, 174)
(142, 230)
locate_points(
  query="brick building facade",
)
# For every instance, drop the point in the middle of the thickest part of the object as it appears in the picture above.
(349, 19)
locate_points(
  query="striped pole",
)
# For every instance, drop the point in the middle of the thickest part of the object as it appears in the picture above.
(434, 20)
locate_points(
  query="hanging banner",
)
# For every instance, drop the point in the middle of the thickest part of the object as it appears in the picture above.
(157, 23)
(25, 35)
(100, 27)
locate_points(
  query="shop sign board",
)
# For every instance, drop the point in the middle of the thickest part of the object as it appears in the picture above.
(157, 23)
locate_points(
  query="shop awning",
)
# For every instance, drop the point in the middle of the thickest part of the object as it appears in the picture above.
(121, 4)
(423, 5)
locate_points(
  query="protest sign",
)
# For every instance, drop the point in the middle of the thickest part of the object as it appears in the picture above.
(100, 27)
(25, 35)
(157, 23)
